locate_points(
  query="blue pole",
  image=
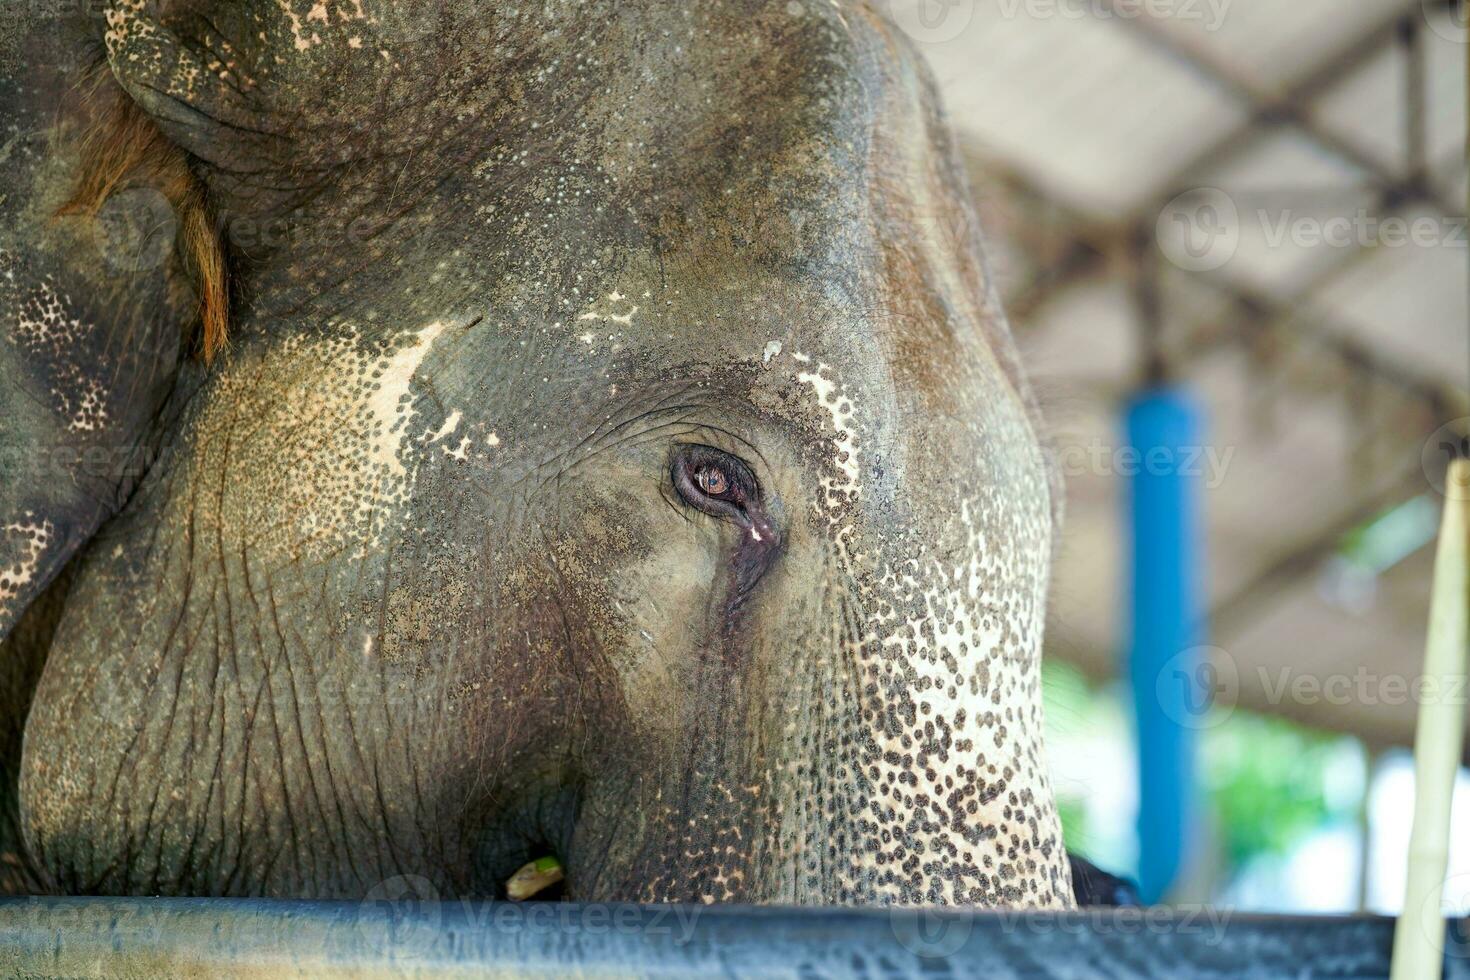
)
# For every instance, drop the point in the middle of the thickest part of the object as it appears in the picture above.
(1163, 429)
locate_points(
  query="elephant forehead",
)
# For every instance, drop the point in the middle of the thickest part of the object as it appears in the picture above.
(829, 385)
(334, 432)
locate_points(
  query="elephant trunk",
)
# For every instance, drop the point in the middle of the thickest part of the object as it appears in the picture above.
(858, 769)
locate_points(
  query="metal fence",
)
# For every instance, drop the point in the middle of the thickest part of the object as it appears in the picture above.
(136, 938)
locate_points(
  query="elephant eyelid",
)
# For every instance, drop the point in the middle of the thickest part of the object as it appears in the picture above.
(715, 482)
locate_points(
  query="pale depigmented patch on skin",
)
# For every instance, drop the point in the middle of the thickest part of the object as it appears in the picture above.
(303, 37)
(952, 629)
(620, 310)
(451, 422)
(26, 540)
(58, 344)
(389, 418)
(459, 450)
(944, 629)
(959, 632)
(332, 441)
(136, 38)
(831, 396)
(124, 22)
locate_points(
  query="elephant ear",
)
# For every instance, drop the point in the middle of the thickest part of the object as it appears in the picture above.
(94, 295)
(275, 99)
(134, 133)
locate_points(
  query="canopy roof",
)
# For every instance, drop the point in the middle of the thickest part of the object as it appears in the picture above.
(1326, 345)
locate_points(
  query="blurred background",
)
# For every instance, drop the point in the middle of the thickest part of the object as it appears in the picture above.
(1234, 229)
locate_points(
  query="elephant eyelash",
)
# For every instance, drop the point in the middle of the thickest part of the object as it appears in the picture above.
(715, 482)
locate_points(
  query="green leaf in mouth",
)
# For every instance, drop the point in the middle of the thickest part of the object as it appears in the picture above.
(533, 878)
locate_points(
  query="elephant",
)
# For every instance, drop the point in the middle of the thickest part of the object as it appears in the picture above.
(440, 435)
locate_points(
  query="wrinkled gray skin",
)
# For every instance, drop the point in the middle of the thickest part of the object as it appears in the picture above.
(414, 583)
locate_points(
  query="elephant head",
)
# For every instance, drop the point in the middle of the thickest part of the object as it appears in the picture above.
(618, 452)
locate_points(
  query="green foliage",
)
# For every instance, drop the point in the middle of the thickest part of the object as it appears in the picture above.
(1266, 784)
(1065, 692)
(1073, 813)
(1069, 703)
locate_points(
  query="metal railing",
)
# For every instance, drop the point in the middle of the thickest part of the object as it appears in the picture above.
(134, 938)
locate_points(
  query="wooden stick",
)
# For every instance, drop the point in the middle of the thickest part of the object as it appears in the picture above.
(1418, 941)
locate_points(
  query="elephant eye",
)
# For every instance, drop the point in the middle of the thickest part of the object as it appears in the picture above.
(712, 480)
(715, 482)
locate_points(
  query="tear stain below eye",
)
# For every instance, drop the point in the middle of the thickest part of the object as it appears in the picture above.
(753, 556)
(741, 504)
